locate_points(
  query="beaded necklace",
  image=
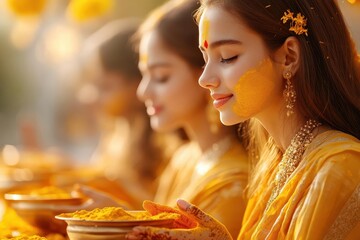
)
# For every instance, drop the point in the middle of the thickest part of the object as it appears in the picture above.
(292, 157)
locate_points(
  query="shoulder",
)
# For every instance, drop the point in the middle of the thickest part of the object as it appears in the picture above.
(335, 142)
(334, 157)
(335, 146)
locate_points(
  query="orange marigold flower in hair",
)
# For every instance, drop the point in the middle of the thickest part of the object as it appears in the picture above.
(297, 24)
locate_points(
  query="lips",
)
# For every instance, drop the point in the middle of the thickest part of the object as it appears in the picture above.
(153, 110)
(220, 99)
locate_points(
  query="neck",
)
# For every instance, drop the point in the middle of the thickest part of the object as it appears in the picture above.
(282, 128)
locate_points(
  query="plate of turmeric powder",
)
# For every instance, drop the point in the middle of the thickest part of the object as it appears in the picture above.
(111, 222)
(46, 194)
(115, 216)
(39, 206)
(12, 178)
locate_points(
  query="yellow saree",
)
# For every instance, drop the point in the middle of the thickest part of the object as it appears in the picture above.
(320, 200)
(213, 183)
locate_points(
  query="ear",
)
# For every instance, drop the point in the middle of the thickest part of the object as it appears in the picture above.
(291, 55)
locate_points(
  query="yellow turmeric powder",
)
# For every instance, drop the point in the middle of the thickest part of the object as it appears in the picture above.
(9, 235)
(117, 213)
(24, 237)
(12, 226)
(107, 213)
(55, 236)
(50, 192)
(11, 222)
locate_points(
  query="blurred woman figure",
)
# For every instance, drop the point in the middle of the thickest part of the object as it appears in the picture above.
(211, 169)
(130, 153)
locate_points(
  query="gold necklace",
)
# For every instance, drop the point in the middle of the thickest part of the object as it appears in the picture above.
(292, 157)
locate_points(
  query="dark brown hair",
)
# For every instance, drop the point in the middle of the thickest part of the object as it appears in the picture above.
(115, 48)
(175, 24)
(327, 83)
(116, 53)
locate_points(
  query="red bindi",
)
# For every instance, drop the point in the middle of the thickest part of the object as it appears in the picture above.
(206, 44)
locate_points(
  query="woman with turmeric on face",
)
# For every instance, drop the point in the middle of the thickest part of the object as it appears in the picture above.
(280, 64)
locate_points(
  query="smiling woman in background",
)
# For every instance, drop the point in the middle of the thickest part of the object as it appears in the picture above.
(211, 170)
(130, 154)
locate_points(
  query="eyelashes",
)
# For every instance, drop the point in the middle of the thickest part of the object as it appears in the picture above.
(223, 60)
(161, 79)
(228, 60)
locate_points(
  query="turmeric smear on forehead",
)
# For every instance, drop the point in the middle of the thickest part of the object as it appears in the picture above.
(143, 58)
(204, 33)
(254, 89)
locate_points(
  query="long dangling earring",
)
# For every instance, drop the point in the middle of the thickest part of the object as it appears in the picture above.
(289, 94)
(213, 117)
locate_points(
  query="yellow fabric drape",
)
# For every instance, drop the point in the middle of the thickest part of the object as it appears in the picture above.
(218, 191)
(320, 200)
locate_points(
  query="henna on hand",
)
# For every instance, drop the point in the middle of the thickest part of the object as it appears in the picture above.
(183, 221)
(207, 228)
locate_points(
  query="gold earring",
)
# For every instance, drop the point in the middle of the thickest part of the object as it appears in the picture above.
(213, 117)
(289, 94)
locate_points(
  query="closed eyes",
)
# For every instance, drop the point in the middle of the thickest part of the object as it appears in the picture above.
(228, 60)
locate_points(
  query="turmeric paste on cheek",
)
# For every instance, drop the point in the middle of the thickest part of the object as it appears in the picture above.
(254, 89)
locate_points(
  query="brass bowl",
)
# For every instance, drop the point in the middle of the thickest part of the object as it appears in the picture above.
(79, 229)
(40, 212)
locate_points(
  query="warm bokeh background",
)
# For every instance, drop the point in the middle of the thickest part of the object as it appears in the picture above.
(42, 101)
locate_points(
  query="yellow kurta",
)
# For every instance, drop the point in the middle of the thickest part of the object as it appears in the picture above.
(213, 182)
(320, 200)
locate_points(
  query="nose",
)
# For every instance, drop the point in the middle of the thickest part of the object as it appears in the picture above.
(208, 79)
(142, 91)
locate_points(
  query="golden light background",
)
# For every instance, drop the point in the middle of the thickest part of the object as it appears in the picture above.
(40, 42)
